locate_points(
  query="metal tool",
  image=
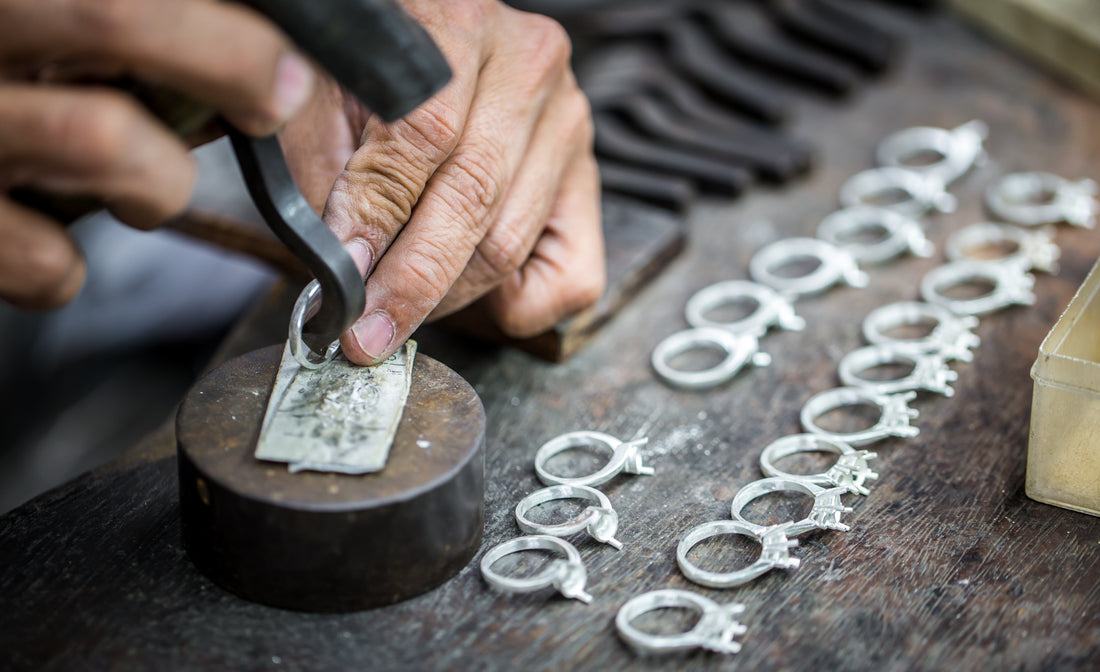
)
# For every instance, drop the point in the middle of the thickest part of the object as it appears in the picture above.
(738, 350)
(775, 546)
(894, 417)
(626, 457)
(567, 576)
(838, 28)
(634, 83)
(714, 630)
(600, 521)
(291, 218)
(850, 471)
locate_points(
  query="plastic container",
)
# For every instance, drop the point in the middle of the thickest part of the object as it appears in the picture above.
(1063, 455)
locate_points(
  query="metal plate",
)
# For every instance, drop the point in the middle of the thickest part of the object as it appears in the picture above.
(322, 541)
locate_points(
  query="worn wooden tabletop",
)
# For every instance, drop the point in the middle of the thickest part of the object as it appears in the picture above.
(948, 564)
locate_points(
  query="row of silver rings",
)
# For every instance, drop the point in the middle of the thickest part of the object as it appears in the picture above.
(951, 338)
(600, 520)
(1025, 199)
(837, 251)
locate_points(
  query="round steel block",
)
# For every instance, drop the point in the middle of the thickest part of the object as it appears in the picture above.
(329, 542)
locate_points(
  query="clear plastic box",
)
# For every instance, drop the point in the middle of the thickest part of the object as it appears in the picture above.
(1063, 455)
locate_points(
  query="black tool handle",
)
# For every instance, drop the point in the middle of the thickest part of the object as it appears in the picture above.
(372, 47)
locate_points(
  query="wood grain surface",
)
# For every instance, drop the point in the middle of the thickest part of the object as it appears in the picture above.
(948, 565)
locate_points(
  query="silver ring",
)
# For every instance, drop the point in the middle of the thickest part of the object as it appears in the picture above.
(714, 631)
(834, 265)
(771, 308)
(825, 514)
(922, 194)
(850, 471)
(566, 576)
(961, 148)
(903, 234)
(1017, 198)
(894, 417)
(307, 305)
(930, 371)
(1011, 286)
(1035, 249)
(740, 350)
(600, 521)
(774, 543)
(625, 457)
(951, 338)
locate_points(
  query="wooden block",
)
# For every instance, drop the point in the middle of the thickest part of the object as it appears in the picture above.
(1061, 34)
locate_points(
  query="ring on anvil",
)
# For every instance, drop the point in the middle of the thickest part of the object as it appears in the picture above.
(850, 470)
(960, 149)
(825, 514)
(714, 630)
(307, 305)
(600, 521)
(1019, 198)
(903, 234)
(567, 576)
(771, 308)
(834, 265)
(893, 419)
(929, 370)
(1035, 250)
(1011, 286)
(625, 457)
(739, 349)
(774, 543)
(922, 194)
(951, 337)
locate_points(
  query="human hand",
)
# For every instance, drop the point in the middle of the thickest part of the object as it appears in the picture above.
(489, 189)
(67, 139)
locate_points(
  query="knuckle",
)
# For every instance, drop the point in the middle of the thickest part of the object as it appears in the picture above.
(431, 131)
(46, 272)
(548, 38)
(96, 128)
(579, 110)
(503, 252)
(430, 266)
(472, 184)
(389, 190)
(107, 19)
(533, 315)
(523, 321)
(585, 291)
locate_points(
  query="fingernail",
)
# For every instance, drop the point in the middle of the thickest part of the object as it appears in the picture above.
(293, 84)
(361, 254)
(374, 333)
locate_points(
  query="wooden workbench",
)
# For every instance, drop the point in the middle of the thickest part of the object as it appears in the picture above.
(949, 566)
